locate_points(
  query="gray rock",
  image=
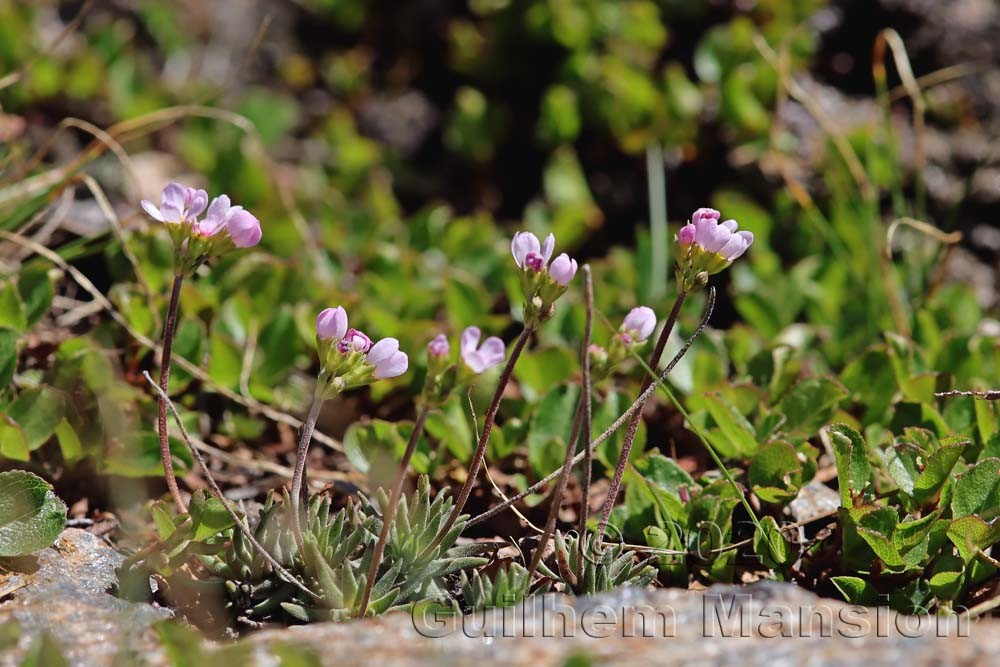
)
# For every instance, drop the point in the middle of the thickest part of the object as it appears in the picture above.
(765, 624)
(64, 591)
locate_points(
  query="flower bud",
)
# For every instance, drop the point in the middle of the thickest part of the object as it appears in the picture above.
(331, 323)
(438, 348)
(638, 325)
(244, 229)
(563, 269)
(354, 341)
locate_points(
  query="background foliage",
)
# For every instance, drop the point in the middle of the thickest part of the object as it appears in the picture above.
(388, 152)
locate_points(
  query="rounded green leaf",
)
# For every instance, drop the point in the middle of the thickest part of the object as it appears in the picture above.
(31, 516)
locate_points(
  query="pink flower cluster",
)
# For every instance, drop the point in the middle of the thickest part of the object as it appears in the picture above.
(530, 255)
(385, 357)
(180, 205)
(477, 357)
(706, 232)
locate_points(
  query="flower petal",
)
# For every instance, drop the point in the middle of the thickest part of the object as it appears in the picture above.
(548, 245)
(746, 239)
(382, 351)
(522, 244)
(244, 229)
(331, 323)
(394, 366)
(704, 214)
(151, 209)
(196, 201)
(174, 195)
(470, 340)
(493, 352)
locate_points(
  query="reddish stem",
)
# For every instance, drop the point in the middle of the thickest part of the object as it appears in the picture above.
(168, 342)
(389, 514)
(633, 424)
(484, 438)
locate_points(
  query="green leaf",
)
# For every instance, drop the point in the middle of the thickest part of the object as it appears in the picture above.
(733, 426)
(69, 442)
(550, 429)
(663, 481)
(13, 442)
(208, 516)
(947, 577)
(936, 471)
(977, 489)
(11, 309)
(163, 519)
(909, 534)
(31, 516)
(8, 355)
(856, 590)
(605, 414)
(36, 292)
(877, 528)
(916, 386)
(374, 446)
(770, 544)
(810, 403)
(903, 462)
(540, 370)
(451, 427)
(970, 533)
(851, 456)
(775, 473)
(38, 411)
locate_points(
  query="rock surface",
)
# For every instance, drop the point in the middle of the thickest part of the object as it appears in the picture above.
(770, 625)
(764, 624)
(64, 591)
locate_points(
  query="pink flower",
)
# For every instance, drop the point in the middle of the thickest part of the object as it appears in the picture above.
(720, 238)
(563, 269)
(178, 204)
(354, 341)
(481, 357)
(685, 237)
(638, 325)
(219, 213)
(388, 360)
(705, 214)
(438, 347)
(244, 229)
(529, 253)
(331, 323)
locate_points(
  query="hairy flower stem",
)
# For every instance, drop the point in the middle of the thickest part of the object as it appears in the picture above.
(610, 430)
(389, 513)
(240, 522)
(588, 451)
(168, 342)
(298, 477)
(633, 424)
(582, 416)
(484, 438)
(557, 492)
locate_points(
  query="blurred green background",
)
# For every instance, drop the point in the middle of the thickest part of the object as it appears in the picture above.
(390, 149)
